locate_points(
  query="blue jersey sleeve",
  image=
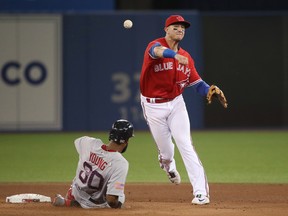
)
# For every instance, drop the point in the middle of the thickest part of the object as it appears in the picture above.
(151, 50)
(201, 88)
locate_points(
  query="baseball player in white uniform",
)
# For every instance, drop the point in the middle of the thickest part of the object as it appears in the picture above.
(101, 171)
(166, 71)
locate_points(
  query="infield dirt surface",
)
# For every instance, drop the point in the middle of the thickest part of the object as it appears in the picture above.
(159, 199)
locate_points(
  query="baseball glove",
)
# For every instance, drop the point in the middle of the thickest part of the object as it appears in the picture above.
(215, 92)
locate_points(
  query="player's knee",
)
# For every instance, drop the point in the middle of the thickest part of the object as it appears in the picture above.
(165, 162)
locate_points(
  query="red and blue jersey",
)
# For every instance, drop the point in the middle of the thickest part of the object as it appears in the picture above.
(165, 77)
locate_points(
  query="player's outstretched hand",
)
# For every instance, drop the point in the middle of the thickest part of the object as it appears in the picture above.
(181, 59)
(215, 92)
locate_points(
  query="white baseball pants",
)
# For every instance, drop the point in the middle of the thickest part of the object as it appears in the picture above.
(170, 120)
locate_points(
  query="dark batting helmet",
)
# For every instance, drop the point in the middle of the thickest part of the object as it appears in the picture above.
(121, 131)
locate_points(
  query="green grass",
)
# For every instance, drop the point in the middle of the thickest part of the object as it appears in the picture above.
(228, 156)
(245, 156)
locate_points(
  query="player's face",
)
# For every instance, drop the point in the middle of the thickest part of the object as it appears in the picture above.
(176, 32)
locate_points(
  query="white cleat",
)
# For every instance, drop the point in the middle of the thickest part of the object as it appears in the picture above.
(200, 199)
(174, 177)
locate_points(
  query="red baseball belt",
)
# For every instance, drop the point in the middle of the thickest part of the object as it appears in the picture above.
(158, 100)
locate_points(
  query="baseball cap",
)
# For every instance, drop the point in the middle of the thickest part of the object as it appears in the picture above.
(176, 19)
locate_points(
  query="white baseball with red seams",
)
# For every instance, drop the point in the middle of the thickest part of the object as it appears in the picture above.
(128, 24)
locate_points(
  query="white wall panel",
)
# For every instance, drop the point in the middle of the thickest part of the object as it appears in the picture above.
(26, 102)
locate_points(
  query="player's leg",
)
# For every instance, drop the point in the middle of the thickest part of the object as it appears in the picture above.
(156, 116)
(68, 201)
(180, 128)
(162, 136)
(165, 152)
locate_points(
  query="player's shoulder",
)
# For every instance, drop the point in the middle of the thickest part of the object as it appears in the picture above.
(158, 40)
(88, 139)
(84, 138)
(120, 159)
(185, 53)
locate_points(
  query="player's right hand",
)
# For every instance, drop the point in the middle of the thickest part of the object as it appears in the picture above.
(181, 59)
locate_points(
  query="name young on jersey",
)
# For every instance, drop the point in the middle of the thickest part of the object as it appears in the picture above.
(98, 161)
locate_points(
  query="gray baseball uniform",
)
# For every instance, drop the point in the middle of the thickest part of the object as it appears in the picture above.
(99, 172)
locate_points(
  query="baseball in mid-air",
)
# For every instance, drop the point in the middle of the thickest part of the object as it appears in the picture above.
(128, 24)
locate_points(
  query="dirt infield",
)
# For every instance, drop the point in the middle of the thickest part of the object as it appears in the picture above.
(160, 199)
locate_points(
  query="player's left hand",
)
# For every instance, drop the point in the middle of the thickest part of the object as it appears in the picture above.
(215, 92)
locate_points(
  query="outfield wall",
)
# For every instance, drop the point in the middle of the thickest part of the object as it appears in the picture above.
(31, 72)
(101, 69)
(83, 73)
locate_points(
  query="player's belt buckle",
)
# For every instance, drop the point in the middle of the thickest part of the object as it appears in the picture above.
(158, 100)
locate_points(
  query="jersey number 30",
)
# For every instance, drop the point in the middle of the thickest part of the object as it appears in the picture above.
(93, 179)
